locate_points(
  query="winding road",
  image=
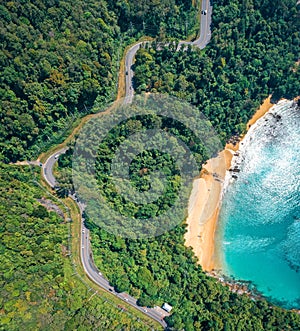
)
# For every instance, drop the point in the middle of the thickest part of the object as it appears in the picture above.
(200, 42)
(86, 254)
(47, 170)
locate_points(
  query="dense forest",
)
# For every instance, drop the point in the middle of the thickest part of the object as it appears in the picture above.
(60, 60)
(161, 174)
(167, 18)
(164, 270)
(39, 288)
(57, 60)
(253, 52)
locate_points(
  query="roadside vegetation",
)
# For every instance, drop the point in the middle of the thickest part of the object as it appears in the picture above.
(40, 290)
(162, 19)
(253, 52)
(60, 61)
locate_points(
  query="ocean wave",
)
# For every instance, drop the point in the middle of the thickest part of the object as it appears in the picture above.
(259, 217)
(249, 244)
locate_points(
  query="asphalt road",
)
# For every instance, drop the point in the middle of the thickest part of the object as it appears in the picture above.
(205, 32)
(129, 72)
(200, 42)
(86, 255)
(48, 167)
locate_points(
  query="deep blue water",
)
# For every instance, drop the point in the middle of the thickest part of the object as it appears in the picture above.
(259, 231)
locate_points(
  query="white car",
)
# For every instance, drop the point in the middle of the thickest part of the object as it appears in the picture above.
(56, 156)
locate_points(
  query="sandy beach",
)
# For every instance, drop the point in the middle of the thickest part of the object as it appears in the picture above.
(205, 201)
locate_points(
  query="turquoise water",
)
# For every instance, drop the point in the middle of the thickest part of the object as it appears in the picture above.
(259, 232)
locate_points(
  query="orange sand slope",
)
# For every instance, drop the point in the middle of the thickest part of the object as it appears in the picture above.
(204, 203)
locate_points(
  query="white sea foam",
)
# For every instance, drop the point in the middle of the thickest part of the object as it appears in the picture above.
(257, 136)
(259, 227)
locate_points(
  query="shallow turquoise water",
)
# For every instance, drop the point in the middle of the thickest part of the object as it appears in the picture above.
(259, 232)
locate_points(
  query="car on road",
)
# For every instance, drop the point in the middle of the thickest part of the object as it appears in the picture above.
(204, 12)
(126, 72)
(56, 156)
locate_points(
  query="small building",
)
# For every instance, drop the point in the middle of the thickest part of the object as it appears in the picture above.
(167, 307)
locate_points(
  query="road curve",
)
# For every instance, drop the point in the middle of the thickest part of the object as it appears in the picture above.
(47, 170)
(47, 167)
(205, 32)
(85, 251)
(200, 42)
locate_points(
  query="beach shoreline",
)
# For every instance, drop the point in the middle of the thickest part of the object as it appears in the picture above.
(205, 200)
